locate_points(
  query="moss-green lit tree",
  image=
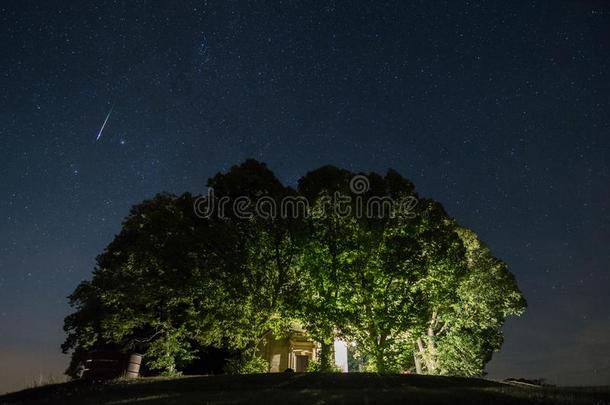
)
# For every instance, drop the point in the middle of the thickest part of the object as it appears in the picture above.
(324, 258)
(462, 336)
(405, 282)
(152, 289)
(260, 248)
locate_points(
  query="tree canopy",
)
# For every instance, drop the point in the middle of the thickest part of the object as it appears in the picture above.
(377, 265)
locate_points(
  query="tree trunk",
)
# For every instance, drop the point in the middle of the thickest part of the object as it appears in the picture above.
(379, 361)
(327, 356)
(428, 353)
(425, 356)
(432, 354)
(417, 362)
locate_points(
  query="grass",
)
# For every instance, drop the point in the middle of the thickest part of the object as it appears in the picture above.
(46, 379)
(310, 388)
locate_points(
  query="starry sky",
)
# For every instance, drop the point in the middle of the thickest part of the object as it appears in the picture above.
(500, 110)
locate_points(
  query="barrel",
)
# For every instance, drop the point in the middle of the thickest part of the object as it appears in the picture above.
(132, 370)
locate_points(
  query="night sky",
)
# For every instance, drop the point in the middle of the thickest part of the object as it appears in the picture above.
(499, 110)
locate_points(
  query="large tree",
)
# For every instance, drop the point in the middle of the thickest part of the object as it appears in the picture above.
(378, 265)
(261, 245)
(406, 257)
(324, 257)
(395, 278)
(150, 289)
(461, 337)
(172, 281)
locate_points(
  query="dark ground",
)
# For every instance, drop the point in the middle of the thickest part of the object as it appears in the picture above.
(310, 388)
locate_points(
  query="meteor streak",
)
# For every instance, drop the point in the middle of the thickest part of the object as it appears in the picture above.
(99, 134)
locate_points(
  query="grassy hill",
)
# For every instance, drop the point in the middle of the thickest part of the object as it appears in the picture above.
(310, 388)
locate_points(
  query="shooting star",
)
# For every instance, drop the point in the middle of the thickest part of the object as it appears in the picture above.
(99, 134)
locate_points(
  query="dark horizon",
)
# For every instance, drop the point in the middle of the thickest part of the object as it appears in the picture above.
(499, 111)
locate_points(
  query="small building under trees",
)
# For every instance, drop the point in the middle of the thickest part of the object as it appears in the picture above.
(297, 351)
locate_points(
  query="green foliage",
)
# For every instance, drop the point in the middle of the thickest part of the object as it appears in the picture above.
(147, 291)
(463, 336)
(314, 366)
(171, 281)
(169, 352)
(247, 365)
(413, 290)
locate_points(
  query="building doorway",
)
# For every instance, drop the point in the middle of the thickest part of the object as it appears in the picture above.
(302, 363)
